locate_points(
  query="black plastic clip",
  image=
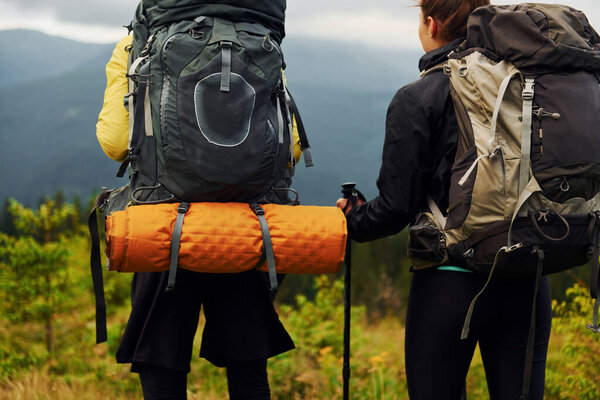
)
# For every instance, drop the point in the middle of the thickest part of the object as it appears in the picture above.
(258, 209)
(183, 208)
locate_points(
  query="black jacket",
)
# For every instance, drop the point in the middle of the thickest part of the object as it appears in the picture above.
(418, 152)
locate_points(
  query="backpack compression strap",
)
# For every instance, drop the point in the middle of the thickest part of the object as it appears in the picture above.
(267, 245)
(531, 334)
(304, 145)
(525, 166)
(142, 120)
(595, 271)
(175, 241)
(96, 268)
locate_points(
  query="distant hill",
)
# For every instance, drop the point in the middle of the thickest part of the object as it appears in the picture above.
(49, 108)
(30, 55)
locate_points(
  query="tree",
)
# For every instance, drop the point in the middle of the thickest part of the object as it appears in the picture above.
(8, 225)
(34, 283)
(80, 215)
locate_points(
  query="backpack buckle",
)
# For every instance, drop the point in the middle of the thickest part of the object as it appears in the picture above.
(183, 208)
(513, 247)
(258, 210)
(595, 329)
(528, 89)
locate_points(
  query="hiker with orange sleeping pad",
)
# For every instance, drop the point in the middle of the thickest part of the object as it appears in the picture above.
(242, 328)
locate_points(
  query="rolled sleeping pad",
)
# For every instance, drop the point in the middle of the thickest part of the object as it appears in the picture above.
(226, 238)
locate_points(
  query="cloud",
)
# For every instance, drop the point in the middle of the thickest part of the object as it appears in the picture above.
(46, 20)
(95, 12)
(373, 28)
(382, 23)
(378, 23)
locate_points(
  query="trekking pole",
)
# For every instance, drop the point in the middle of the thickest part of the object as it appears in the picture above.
(349, 192)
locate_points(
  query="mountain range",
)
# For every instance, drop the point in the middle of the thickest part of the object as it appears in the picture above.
(51, 90)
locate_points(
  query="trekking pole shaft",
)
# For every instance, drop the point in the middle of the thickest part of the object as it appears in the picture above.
(350, 194)
(347, 316)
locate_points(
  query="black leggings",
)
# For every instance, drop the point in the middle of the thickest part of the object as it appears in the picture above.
(245, 380)
(437, 360)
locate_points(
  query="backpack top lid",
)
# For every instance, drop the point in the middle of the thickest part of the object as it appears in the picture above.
(270, 13)
(536, 38)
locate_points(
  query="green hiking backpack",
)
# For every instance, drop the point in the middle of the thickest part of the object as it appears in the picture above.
(525, 184)
(210, 116)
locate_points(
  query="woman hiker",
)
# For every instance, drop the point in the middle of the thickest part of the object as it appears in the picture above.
(419, 149)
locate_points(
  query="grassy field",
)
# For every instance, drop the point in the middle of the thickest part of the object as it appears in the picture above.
(55, 357)
(312, 371)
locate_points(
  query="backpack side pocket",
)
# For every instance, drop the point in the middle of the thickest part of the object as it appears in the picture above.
(426, 243)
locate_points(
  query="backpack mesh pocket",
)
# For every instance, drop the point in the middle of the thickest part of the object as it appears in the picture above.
(224, 118)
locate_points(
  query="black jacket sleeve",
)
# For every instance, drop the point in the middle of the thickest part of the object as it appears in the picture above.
(405, 172)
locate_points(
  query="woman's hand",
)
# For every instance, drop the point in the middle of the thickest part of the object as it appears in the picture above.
(342, 203)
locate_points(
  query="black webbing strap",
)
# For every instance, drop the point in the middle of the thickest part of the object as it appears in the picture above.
(467, 325)
(267, 245)
(594, 326)
(595, 275)
(96, 268)
(595, 271)
(139, 125)
(175, 241)
(531, 335)
(304, 145)
(225, 66)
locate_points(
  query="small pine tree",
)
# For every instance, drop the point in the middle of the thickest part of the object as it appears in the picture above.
(81, 216)
(59, 197)
(8, 225)
(34, 283)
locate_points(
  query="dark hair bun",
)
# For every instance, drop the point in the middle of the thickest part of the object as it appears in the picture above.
(451, 14)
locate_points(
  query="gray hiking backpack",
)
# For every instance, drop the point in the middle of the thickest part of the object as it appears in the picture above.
(210, 116)
(525, 185)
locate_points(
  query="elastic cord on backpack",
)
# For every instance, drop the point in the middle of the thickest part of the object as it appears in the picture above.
(543, 214)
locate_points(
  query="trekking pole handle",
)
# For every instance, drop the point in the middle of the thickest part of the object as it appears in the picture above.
(349, 192)
(348, 189)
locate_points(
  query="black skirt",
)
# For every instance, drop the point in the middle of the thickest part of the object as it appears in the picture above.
(241, 322)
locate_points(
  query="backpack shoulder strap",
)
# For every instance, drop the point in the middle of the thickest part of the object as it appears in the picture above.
(435, 68)
(437, 213)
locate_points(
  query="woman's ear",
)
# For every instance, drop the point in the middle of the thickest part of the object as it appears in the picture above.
(433, 26)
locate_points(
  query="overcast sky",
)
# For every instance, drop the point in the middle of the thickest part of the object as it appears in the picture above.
(380, 23)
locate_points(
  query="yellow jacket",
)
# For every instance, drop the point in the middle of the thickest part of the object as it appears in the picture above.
(112, 129)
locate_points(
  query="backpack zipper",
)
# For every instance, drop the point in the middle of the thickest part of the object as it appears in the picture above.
(165, 86)
(163, 104)
(503, 172)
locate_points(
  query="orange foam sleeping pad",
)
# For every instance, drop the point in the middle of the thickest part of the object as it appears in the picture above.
(226, 238)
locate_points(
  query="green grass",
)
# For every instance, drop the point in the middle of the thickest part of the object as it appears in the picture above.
(79, 369)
